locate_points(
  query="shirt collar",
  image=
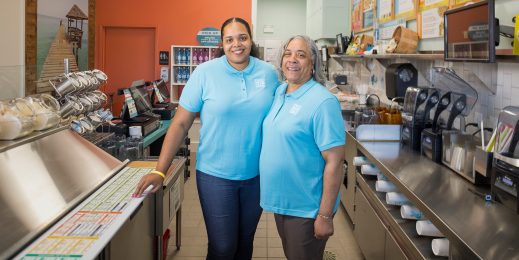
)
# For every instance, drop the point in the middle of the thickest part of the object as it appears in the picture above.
(301, 90)
(231, 69)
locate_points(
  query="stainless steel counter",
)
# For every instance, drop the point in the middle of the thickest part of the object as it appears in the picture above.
(42, 177)
(474, 227)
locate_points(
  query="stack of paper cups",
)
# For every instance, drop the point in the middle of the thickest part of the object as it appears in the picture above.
(397, 199)
(381, 177)
(384, 186)
(411, 212)
(369, 169)
(426, 228)
(440, 247)
(360, 160)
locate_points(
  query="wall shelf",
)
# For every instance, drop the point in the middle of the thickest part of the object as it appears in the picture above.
(501, 56)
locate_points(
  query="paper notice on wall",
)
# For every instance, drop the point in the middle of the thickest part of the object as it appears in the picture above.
(387, 29)
(385, 9)
(432, 23)
(271, 51)
(431, 2)
(405, 6)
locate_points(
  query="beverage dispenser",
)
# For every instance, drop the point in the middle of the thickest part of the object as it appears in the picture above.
(418, 103)
(457, 98)
(505, 170)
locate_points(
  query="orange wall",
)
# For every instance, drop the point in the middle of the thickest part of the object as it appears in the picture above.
(176, 22)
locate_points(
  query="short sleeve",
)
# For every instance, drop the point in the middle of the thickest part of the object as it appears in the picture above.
(191, 98)
(328, 125)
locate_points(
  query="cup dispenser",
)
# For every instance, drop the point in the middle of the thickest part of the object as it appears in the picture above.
(457, 98)
(505, 170)
(418, 103)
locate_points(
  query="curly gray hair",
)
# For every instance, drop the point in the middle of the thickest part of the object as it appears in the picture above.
(317, 74)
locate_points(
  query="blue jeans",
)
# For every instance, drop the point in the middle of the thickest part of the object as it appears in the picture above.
(231, 213)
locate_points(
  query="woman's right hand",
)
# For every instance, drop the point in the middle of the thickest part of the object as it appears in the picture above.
(147, 180)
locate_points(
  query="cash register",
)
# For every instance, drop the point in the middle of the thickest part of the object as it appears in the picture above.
(159, 100)
(137, 109)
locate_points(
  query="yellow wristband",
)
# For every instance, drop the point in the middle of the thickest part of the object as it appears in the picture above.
(158, 173)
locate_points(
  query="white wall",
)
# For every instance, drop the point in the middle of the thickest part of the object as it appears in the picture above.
(288, 17)
(12, 48)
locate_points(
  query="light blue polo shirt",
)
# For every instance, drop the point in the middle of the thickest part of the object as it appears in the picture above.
(299, 126)
(232, 106)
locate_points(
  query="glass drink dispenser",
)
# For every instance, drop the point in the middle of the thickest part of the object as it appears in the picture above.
(418, 103)
(456, 98)
(505, 170)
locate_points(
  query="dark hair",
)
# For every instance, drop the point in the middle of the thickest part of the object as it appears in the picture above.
(253, 51)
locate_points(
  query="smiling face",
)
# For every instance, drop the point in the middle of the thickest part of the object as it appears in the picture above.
(297, 62)
(237, 45)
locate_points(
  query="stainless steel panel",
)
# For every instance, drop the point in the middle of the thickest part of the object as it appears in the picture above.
(476, 228)
(403, 230)
(348, 194)
(42, 180)
(369, 230)
(136, 238)
(393, 251)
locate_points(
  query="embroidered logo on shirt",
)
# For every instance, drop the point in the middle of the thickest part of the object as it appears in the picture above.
(260, 83)
(295, 109)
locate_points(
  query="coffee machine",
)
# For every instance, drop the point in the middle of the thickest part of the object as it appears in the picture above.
(505, 170)
(457, 98)
(418, 103)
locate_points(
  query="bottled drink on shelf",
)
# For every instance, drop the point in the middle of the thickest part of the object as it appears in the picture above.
(206, 55)
(213, 53)
(188, 56)
(200, 56)
(178, 56)
(195, 56)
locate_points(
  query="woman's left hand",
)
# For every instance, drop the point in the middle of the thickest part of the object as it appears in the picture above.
(323, 228)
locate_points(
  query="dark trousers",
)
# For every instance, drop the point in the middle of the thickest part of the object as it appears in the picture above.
(298, 238)
(231, 213)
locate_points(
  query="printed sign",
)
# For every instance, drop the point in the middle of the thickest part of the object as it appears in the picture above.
(208, 36)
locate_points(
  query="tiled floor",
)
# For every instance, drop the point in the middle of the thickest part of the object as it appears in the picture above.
(267, 244)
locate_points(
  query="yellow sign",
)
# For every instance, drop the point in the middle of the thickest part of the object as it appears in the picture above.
(516, 36)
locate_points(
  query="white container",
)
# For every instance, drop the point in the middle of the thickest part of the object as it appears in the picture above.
(440, 247)
(397, 199)
(411, 212)
(369, 169)
(385, 186)
(360, 160)
(13, 124)
(426, 228)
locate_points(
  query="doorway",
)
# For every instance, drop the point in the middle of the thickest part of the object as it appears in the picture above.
(128, 56)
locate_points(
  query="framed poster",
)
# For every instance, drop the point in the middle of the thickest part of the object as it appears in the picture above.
(406, 9)
(368, 9)
(356, 16)
(385, 10)
(72, 24)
